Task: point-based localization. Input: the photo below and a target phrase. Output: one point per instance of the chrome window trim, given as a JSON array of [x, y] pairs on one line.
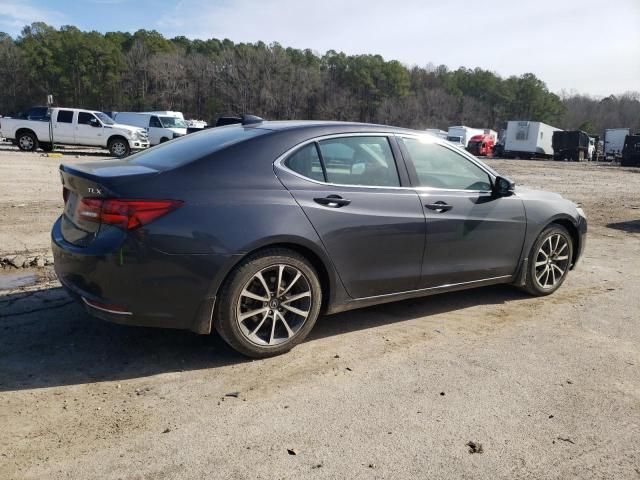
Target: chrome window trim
[[279, 162]]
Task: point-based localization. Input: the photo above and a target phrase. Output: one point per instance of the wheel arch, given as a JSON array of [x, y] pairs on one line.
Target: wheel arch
[[22, 130], [569, 224], [317, 259], [117, 136]]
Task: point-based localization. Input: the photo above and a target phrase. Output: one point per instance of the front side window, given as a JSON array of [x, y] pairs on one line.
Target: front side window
[[85, 118], [440, 167], [155, 122], [65, 116], [366, 161]]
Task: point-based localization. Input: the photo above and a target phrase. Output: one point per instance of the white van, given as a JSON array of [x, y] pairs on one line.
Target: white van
[[160, 128]]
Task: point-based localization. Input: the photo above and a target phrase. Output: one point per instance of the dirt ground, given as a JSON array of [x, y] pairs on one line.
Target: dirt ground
[[549, 387]]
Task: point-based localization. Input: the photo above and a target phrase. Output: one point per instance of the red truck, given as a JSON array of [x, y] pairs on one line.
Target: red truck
[[482, 145]]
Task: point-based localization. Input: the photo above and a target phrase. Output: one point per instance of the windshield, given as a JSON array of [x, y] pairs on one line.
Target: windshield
[[172, 122], [104, 118]]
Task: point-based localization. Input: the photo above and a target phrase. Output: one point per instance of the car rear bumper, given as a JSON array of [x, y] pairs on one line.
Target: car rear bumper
[[137, 285]]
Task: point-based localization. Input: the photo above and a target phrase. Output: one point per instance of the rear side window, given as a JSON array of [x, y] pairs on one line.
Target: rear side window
[[366, 161], [65, 116], [306, 162], [194, 146]]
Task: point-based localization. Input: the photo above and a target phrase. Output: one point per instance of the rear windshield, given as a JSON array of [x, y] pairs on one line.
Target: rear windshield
[[194, 146]]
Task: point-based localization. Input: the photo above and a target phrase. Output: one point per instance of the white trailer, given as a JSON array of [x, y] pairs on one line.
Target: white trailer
[[437, 132], [528, 139], [614, 141], [461, 134]]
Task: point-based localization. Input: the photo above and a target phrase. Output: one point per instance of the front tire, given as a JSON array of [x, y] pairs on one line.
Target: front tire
[[119, 147], [549, 261], [269, 303]]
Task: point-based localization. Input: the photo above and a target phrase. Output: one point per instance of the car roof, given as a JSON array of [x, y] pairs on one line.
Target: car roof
[[279, 125]]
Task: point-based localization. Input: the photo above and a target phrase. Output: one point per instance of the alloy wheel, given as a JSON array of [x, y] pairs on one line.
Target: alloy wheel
[[274, 305], [119, 149], [26, 142], [552, 261]]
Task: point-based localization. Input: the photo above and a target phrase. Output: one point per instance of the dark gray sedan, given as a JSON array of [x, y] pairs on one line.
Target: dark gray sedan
[[253, 230]]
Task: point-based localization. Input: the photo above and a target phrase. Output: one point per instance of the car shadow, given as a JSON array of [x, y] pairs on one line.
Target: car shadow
[[632, 226], [47, 340]]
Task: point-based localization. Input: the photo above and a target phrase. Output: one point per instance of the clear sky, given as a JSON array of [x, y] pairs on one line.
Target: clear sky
[[589, 46]]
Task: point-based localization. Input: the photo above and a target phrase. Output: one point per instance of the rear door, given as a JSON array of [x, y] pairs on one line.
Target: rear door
[[63, 126], [357, 199], [471, 234]]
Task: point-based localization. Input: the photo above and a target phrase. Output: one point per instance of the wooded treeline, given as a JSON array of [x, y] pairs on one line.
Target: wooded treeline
[[206, 78]]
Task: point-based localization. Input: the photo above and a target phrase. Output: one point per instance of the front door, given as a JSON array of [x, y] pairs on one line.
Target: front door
[[372, 228], [89, 130], [471, 234]]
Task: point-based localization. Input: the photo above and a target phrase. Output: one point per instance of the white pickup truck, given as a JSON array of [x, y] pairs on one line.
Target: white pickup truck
[[73, 126]]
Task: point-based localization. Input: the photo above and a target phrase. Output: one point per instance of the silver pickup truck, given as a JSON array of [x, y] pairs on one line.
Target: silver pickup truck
[[74, 126]]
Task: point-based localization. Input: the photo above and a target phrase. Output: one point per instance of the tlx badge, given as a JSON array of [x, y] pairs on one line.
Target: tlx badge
[[94, 191]]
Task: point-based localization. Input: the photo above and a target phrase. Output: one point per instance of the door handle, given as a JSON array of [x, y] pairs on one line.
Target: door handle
[[439, 207], [333, 201]]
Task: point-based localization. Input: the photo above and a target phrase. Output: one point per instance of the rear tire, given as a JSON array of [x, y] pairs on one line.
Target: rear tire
[[119, 147], [283, 290], [549, 261], [27, 142]]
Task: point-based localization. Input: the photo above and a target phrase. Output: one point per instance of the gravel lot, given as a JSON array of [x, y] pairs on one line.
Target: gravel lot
[[550, 387]]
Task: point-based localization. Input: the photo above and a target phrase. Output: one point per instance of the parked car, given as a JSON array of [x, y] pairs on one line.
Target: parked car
[[253, 230], [525, 139], [161, 126], [74, 126]]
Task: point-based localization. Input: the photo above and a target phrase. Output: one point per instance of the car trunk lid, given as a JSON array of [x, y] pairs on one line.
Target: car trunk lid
[[84, 185]]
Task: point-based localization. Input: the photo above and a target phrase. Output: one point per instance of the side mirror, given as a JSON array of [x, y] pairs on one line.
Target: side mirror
[[94, 123], [503, 187]]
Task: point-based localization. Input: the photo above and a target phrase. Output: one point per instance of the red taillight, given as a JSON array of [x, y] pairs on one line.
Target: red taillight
[[125, 214]]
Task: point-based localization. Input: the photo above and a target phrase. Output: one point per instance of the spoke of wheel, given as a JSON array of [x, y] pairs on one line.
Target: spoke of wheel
[[557, 243], [252, 313], [550, 242], [295, 310], [539, 264], [297, 297], [280, 271], [556, 267], [546, 277], [273, 329], [263, 282], [564, 257], [561, 249], [286, 325], [255, 330], [247, 293], [539, 276], [295, 279], [553, 276]]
